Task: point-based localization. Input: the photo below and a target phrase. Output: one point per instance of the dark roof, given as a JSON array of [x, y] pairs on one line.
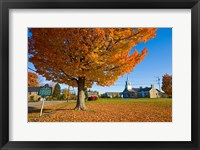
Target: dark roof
[[136, 89], [145, 89], [33, 89]]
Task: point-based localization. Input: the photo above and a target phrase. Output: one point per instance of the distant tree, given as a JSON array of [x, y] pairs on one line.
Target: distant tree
[[113, 95], [63, 96], [33, 79], [117, 95], [167, 84], [66, 93], [52, 85], [73, 96], [102, 95], [57, 90]]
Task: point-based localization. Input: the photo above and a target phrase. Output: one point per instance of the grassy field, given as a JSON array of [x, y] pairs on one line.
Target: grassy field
[[107, 110]]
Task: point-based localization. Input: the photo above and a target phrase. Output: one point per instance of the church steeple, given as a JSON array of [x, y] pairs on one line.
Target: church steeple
[[128, 84]]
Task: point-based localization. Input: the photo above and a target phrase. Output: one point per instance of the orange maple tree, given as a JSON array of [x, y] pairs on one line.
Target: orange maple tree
[[81, 56], [32, 79], [167, 84]]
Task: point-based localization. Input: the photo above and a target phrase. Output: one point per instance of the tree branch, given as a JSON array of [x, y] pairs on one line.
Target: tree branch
[[71, 78]]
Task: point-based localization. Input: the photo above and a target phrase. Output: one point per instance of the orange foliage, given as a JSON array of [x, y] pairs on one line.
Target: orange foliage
[[32, 79], [167, 84], [99, 55]]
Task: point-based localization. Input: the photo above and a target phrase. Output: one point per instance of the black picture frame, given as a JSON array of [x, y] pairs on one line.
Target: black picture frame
[[5, 5]]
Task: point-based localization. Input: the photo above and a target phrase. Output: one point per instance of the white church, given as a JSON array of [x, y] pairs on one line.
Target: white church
[[147, 92]]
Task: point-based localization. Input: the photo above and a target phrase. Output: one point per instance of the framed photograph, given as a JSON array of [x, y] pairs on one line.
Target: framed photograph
[[99, 75]]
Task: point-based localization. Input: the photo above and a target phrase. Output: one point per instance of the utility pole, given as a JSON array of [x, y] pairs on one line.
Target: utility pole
[[68, 93], [158, 81]]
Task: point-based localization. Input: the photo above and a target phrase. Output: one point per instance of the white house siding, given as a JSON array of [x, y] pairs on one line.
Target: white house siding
[[153, 93]]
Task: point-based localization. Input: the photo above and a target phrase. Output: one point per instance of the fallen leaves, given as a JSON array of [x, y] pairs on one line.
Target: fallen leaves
[[110, 110]]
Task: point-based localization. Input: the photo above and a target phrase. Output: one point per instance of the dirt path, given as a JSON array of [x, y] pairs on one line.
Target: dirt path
[[36, 104]]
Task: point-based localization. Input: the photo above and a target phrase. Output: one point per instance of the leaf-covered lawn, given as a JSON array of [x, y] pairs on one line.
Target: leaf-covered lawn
[[107, 110]]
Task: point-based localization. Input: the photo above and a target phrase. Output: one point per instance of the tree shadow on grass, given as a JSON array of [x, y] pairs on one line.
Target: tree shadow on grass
[[33, 110], [45, 110]]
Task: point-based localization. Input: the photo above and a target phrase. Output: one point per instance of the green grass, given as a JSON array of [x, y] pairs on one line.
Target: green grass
[[124, 100]]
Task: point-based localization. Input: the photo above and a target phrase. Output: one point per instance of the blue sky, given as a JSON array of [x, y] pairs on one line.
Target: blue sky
[[157, 62]]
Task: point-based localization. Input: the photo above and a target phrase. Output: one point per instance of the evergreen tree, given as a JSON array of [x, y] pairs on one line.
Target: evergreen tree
[[56, 93]]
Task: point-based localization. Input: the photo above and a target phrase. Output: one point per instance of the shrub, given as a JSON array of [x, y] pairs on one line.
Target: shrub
[[54, 98], [103, 96], [73, 97], [57, 90], [63, 97]]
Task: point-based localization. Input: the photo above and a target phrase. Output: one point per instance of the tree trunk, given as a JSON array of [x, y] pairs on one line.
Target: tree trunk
[[80, 105]]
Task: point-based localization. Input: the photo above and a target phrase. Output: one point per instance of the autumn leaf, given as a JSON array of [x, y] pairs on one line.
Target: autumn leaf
[[32, 79], [167, 84]]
